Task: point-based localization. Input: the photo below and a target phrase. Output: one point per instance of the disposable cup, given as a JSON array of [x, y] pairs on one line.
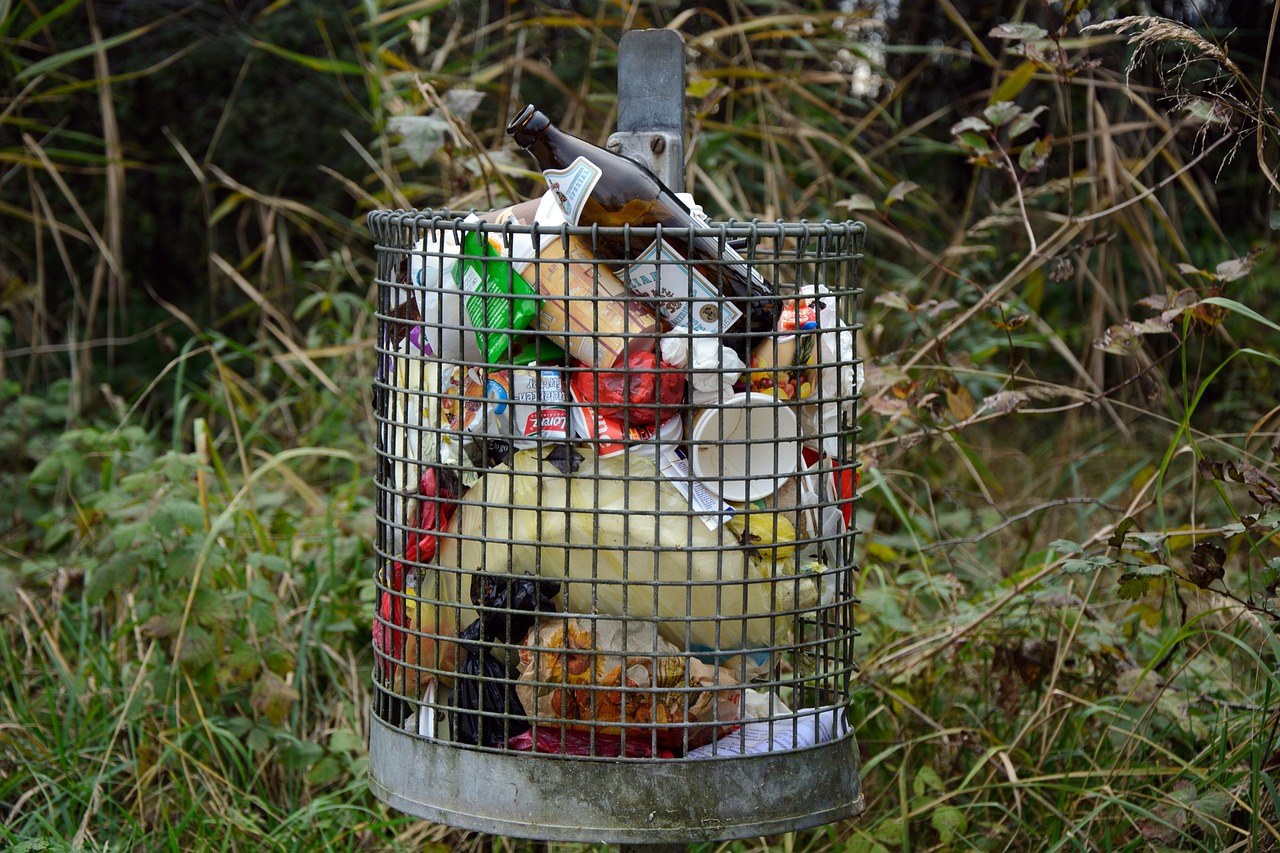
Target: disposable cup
[[742, 448]]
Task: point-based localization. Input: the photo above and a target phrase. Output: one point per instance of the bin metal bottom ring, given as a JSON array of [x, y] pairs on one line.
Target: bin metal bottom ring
[[614, 802]]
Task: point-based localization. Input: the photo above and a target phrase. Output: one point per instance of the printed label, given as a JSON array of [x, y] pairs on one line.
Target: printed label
[[689, 300], [572, 185], [538, 410], [713, 511]]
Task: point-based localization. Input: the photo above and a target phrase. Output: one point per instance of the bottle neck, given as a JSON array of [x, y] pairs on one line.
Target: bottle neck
[[555, 149]]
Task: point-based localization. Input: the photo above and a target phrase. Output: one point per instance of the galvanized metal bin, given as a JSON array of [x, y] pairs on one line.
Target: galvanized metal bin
[[585, 636]]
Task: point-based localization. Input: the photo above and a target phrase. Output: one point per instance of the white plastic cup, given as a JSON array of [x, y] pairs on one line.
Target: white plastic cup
[[742, 448]]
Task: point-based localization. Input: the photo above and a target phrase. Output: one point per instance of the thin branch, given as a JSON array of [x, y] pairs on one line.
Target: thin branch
[[1022, 207], [1014, 519], [1227, 134]]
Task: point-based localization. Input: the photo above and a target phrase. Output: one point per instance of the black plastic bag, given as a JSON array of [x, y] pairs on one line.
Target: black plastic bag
[[510, 604], [486, 710]]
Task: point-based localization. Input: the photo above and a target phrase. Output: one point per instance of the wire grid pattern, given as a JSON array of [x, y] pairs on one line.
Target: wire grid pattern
[[545, 584]]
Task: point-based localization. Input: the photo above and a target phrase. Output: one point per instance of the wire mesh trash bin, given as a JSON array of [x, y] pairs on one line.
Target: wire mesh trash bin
[[614, 582]]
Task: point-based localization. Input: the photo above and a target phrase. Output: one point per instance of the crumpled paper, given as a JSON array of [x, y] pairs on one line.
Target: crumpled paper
[[609, 676]]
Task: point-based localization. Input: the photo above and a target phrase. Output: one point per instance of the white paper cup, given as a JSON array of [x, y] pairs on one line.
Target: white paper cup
[[742, 448]]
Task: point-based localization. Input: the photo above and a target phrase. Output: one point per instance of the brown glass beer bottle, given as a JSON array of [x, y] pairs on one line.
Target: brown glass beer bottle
[[719, 293]]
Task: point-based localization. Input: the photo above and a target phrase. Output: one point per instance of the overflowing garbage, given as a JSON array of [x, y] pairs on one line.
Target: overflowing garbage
[[616, 472]]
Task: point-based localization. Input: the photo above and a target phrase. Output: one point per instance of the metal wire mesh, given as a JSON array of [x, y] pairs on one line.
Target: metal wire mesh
[[602, 536]]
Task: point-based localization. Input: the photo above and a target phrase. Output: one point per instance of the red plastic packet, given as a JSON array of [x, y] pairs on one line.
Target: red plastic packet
[[435, 512]]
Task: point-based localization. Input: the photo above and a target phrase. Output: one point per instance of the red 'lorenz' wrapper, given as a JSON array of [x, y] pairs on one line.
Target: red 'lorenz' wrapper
[[648, 389]]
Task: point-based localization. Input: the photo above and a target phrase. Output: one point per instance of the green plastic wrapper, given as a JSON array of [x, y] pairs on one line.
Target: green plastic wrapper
[[497, 299]]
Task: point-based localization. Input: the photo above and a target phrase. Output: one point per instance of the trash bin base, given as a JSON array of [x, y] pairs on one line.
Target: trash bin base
[[614, 802]]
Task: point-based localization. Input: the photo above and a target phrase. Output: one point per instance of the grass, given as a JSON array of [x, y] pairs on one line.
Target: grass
[[1069, 437]]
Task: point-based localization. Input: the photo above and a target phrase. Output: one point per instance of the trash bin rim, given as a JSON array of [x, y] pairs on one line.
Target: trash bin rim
[[441, 219]]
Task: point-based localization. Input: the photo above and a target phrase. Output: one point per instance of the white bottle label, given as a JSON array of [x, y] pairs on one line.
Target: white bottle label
[[689, 300], [571, 186], [710, 508]]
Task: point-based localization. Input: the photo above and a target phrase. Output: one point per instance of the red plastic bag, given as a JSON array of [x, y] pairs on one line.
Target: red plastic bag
[[648, 390], [555, 741], [436, 507]]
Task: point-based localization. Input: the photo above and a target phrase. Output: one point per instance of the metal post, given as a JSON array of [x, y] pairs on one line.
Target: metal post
[[651, 83]]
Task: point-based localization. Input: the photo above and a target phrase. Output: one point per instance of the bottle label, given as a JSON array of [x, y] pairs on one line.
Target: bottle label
[[572, 185], [689, 300]]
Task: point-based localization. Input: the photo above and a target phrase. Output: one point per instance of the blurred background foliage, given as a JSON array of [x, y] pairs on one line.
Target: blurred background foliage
[[1069, 434]]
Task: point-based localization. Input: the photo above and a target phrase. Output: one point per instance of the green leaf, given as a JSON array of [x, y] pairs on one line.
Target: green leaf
[[700, 86], [1015, 82], [162, 625], [891, 832], [899, 191], [322, 64], [926, 778], [858, 201], [115, 573], [949, 822], [1132, 588], [1001, 113], [864, 844], [58, 534], [212, 607], [198, 648], [1018, 32], [273, 698], [1066, 546], [346, 742], [65, 57], [268, 562], [1122, 529], [187, 514], [33, 845], [240, 666], [462, 102], [422, 136], [969, 123], [1239, 309], [1086, 566], [300, 754], [325, 770], [974, 142], [278, 659], [1025, 122], [1035, 155]]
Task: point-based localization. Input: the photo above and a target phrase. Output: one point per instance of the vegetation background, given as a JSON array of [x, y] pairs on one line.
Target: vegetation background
[[1070, 486]]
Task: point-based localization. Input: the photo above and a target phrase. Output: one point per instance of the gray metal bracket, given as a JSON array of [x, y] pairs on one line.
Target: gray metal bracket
[[651, 119]]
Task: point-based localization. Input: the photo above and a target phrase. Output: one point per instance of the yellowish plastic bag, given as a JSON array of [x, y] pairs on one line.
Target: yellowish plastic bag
[[625, 543]]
